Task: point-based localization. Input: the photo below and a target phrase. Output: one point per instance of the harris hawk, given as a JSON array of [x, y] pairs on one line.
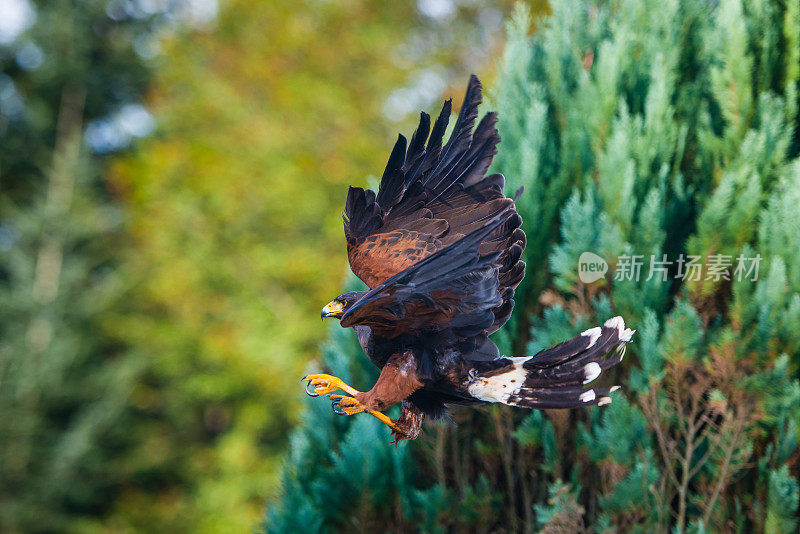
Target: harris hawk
[[440, 248]]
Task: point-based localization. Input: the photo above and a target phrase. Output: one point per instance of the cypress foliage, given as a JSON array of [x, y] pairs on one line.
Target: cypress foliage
[[659, 132]]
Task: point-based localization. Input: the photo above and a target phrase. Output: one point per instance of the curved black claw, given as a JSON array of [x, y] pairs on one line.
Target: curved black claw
[[311, 393], [335, 407]]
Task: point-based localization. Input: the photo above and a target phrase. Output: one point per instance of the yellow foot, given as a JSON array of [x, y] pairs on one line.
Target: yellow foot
[[324, 384], [344, 405]]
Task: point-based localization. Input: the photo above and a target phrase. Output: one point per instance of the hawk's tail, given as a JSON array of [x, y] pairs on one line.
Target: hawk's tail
[[556, 377]]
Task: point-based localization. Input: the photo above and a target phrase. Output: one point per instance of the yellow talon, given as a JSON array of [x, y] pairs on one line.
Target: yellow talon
[[344, 405], [324, 384]]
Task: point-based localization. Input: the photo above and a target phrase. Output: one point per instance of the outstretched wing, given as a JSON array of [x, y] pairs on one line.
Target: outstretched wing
[[430, 196], [452, 293]]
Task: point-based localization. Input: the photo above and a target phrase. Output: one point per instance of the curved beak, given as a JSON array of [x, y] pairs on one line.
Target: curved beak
[[332, 309]]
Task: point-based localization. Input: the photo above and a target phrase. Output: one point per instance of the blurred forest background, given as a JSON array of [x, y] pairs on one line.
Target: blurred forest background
[[173, 174]]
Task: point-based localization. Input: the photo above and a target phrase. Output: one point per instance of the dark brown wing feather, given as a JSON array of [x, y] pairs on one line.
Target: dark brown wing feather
[[452, 293], [430, 196]]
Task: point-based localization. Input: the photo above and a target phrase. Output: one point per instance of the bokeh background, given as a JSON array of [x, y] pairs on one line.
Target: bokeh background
[[172, 177]]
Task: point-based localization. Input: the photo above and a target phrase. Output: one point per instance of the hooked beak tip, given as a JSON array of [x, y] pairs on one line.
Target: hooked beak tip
[[329, 311]]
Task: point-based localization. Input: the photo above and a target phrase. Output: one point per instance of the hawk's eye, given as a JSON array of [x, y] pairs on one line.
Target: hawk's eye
[[344, 303]]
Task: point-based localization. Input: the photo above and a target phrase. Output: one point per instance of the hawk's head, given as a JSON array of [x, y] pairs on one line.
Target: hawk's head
[[338, 306]]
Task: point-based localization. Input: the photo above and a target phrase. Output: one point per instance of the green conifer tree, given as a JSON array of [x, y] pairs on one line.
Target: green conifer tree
[[663, 132]]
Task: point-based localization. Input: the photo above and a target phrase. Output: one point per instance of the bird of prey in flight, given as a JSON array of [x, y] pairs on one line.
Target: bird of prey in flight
[[440, 248]]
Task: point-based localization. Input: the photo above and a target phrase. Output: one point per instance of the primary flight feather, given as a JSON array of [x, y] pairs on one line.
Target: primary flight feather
[[440, 248]]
